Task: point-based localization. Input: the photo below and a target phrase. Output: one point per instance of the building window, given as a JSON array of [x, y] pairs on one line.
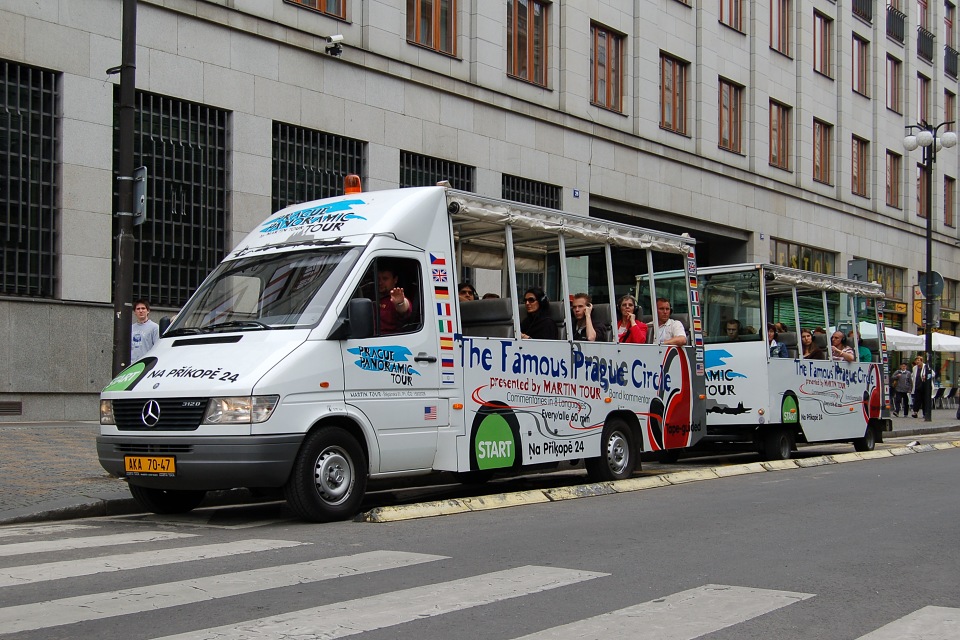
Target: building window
[[891, 278], [893, 179], [731, 14], [433, 24], [606, 68], [923, 15], [822, 144], [779, 135], [894, 84], [29, 145], [861, 72], [539, 194], [922, 195], [417, 170], [184, 236], [860, 159], [950, 110], [949, 11], [309, 165], [949, 200], [923, 98], [822, 30], [673, 94], [333, 8], [799, 256], [780, 26], [527, 40], [731, 99]]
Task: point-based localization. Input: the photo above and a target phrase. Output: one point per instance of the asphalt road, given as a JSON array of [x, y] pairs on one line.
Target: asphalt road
[[837, 552]]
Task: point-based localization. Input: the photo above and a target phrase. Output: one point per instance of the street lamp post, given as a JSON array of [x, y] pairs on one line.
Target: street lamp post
[[928, 137]]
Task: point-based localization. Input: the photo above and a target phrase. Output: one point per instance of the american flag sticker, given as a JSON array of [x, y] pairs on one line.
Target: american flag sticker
[[430, 413], [443, 309], [446, 344], [437, 258], [700, 370], [439, 275]]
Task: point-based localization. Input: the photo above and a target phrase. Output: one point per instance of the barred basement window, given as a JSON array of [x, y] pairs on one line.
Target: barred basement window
[[183, 145], [539, 194], [309, 165], [423, 171], [29, 140]]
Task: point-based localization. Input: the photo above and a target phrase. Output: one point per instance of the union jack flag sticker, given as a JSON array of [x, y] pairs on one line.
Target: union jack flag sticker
[[439, 275]]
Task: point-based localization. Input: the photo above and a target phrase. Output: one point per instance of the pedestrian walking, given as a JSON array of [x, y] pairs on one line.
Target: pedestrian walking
[[922, 378], [145, 332], [902, 386]]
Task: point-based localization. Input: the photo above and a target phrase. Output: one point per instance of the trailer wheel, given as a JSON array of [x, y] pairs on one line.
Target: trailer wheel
[[777, 444], [867, 442], [166, 501], [618, 458], [328, 478]]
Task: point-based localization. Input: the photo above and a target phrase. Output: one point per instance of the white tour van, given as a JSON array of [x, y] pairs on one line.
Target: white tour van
[[330, 347]]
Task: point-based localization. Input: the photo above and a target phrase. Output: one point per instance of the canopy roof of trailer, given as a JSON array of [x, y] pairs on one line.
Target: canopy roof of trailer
[[480, 221], [803, 279]]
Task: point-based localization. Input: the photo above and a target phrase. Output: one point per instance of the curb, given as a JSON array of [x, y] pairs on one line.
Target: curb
[[539, 496]]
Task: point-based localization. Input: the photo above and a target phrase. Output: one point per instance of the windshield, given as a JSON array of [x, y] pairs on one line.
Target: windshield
[[273, 291]]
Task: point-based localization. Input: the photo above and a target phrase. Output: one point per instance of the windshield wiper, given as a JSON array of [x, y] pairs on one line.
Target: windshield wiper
[[236, 324], [185, 331]]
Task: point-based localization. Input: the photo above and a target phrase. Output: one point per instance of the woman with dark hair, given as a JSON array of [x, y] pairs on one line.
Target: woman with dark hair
[[777, 349], [629, 328], [810, 349], [538, 323]]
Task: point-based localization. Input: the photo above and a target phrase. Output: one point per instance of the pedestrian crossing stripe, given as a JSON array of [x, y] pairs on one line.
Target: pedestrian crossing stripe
[[91, 542], [29, 574], [343, 619], [53, 613], [39, 530], [681, 616], [928, 623]]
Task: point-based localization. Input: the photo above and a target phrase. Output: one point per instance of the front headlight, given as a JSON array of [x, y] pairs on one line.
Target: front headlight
[[240, 409], [106, 412]]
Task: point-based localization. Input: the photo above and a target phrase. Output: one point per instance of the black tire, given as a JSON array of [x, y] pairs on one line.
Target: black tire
[[618, 457], [166, 501], [328, 478], [777, 444], [867, 442]]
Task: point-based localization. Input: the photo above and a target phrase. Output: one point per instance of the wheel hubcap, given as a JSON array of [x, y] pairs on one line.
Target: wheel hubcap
[[333, 475], [617, 452]]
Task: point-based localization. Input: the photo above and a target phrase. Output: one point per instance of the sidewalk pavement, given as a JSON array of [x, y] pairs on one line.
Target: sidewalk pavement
[[50, 471]]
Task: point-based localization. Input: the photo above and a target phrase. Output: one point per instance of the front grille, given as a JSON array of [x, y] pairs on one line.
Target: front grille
[[152, 449], [175, 414]]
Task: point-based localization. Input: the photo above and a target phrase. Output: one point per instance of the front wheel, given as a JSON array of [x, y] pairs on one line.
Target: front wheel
[[328, 478], [777, 445], [166, 501], [867, 442], [618, 459]]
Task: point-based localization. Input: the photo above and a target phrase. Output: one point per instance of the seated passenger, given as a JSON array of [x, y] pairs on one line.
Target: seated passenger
[[629, 329], [839, 349], [863, 351], [584, 329], [777, 349], [732, 330], [670, 331], [466, 292], [395, 309], [810, 349], [538, 323]]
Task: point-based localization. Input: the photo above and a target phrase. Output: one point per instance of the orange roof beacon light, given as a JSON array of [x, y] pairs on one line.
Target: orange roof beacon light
[[351, 184]]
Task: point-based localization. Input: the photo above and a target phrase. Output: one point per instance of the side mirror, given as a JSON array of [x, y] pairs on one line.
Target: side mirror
[[360, 315], [164, 324]]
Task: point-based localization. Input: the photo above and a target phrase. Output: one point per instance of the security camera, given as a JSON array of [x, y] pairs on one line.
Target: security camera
[[335, 38]]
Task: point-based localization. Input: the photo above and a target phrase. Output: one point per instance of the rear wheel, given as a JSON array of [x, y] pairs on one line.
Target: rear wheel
[[777, 445], [166, 501], [618, 458], [867, 442], [328, 478]]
